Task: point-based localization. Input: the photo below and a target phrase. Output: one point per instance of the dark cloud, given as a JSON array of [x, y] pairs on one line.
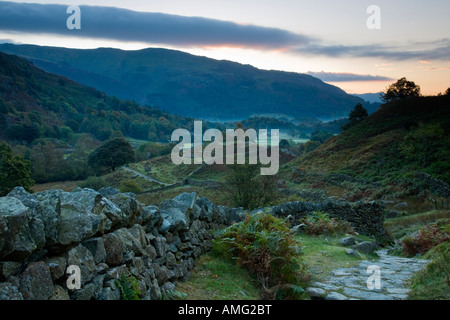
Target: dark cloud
[[346, 77], [158, 28], [127, 25]]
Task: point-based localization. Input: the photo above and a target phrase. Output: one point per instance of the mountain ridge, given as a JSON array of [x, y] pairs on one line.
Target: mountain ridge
[[190, 85]]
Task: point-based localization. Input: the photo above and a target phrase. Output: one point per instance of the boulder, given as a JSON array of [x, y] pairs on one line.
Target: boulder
[[365, 247], [347, 241]]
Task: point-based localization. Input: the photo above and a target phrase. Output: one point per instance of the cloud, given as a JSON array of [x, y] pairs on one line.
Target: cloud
[[427, 50], [346, 77], [180, 31], [126, 25]]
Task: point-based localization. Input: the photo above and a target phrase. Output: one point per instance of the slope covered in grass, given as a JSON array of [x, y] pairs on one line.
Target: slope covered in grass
[[391, 145]]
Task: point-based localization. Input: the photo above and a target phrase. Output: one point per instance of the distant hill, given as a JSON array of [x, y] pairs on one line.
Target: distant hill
[[194, 86], [403, 137], [370, 97], [36, 104]]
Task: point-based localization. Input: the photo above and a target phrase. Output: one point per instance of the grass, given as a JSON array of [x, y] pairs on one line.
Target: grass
[[214, 278], [404, 225], [433, 283], [62, 185], [324, 254]]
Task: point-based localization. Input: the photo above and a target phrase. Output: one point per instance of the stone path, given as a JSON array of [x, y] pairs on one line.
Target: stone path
[[352, 283], [145, 176]]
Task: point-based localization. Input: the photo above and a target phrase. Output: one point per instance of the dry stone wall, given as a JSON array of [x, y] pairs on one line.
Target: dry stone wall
[[105, 235]]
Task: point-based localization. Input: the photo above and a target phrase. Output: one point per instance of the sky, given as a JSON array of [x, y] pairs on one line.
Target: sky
[[345, 43]]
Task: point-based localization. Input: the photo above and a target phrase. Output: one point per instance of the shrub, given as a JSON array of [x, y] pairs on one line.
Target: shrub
[[130, 186], [427, 238], [264, 245], [93, 182], [320, 223]]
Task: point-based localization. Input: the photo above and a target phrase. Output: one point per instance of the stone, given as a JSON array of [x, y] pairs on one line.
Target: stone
[[26, 198], [316, 293], [179, 211], [57, 266], [9, 292], [152, 216], [353, 253], [401, 205], [114, 249], [159, 243], [108, 191], [85, 293], [109, 294], [154, 291], [80, 256], [131, 210], [347, 241], [365, 295], [365, 247], [97, 247], [59, 293], [77, 222], [393, 214], [162, 273], [18, 239], [36, 282], [9, 268], [335, 296]]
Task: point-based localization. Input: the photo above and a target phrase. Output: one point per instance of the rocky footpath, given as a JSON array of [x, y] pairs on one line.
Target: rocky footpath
[[106, 235], [360, 283]]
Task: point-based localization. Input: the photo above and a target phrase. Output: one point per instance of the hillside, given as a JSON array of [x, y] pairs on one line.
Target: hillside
[[191, 85], [35, 104], [391, 147]]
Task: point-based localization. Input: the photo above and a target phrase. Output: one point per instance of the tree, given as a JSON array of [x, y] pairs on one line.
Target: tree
[[400, 90], [447, 92], [248, 189], [15, 171], [358, 114], [111, 154], [48, 163]]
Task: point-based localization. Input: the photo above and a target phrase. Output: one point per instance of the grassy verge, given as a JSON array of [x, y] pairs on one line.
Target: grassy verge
[[214, 278], [433, 283], [323, 254]]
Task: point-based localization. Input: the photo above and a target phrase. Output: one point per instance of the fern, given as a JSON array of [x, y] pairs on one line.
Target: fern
[[129, 287]]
